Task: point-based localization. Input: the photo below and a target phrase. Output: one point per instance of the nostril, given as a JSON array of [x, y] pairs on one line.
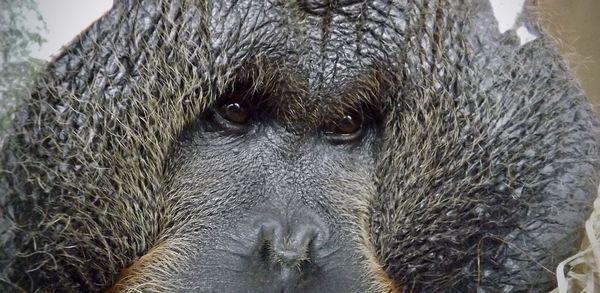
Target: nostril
[[288, 247]]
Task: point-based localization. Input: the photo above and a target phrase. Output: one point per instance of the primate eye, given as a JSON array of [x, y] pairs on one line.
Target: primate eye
[[234, 112], [233, 116], [348, 124], [346, 128]]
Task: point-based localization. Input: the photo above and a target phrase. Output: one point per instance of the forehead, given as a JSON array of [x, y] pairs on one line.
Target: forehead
[[327, 45]]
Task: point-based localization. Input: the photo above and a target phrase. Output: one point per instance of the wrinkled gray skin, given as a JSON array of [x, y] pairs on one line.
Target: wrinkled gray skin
[[475, 170]]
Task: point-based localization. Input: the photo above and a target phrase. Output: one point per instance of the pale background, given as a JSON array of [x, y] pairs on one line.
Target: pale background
[[64, 20], [575, 23]]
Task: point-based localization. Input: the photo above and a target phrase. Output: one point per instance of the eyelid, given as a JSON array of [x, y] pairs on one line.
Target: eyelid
[[346, 138]]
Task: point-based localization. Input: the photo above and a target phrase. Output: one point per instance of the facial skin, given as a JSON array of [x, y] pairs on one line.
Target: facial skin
[[297, 146], [277, 204]]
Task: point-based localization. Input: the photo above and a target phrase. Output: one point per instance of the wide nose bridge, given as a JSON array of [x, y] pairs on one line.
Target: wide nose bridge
[[291, 171], [293, 134]]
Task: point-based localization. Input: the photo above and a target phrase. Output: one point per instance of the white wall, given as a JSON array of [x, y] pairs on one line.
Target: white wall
[[64, 20]]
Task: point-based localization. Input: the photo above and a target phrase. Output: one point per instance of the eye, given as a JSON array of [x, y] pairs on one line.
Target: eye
[[232, 115], [234, 112], [346, 128]]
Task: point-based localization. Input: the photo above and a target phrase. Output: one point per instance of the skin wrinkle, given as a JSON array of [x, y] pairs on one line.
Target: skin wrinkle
[[332, 57]]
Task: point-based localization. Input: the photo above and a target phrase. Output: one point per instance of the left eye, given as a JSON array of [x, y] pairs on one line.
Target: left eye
[[345, 128]]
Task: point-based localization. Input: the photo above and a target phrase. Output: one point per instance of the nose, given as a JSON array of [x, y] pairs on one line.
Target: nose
[[290, 245]]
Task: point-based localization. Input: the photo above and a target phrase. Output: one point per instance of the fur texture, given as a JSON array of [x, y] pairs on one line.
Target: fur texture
[[486, 170]]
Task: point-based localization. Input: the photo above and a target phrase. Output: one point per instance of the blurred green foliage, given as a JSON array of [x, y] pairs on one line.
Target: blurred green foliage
[[21, 28]]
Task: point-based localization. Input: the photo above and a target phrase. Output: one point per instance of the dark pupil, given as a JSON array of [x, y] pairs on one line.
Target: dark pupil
[[347, 124], [234, 112]]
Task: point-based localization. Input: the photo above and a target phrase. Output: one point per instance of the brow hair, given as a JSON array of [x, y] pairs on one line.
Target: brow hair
[[271, 83]]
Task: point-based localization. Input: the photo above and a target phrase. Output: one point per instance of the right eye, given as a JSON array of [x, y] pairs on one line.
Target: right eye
[[232, 116], [234, 112]]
